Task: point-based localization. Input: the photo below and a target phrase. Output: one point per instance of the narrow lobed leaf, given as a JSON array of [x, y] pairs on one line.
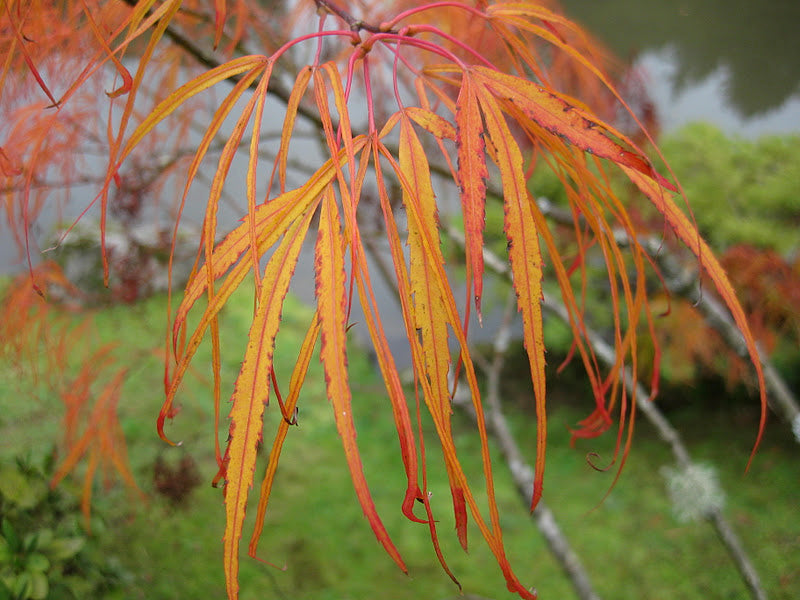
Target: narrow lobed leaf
[[472, 175], [689, 235], [430, 316], [295, 385], [331, 308], [526, 263], [252, 392], [562, 118]]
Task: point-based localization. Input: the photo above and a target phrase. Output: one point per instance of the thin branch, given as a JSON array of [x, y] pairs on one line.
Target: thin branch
[[671, 436], [685, 284], [354, 24], [275, 88]]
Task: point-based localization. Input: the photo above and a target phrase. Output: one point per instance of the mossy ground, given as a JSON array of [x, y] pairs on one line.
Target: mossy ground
[[630, 543]]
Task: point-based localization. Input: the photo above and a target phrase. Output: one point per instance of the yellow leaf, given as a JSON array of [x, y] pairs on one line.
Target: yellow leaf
[[298, 90], [332, 312], [295, 385], [270, 221], [190, 89], [526, 263], [430, 316], [430, 121], [252, 392], [493, 535]]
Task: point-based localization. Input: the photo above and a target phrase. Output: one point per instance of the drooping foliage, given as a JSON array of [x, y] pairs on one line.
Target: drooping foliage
[[412, 103], [48, 347], [768, 287]]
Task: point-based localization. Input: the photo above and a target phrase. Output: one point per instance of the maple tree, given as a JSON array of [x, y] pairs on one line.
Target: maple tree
[[410, 101]]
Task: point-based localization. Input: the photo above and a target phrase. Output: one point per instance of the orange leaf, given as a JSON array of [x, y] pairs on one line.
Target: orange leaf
[[171, 8], [394, 387], [26, 55], [493, 536], [127, 80], [295, 385], [102, 438], [331, 308], [430, 121], [210, 220], [299, 88], [408, 320], [270, 221], [562, 118], [526, 263], [220, 11], [383, 353], [688, 233], [254, 63], [430, 316]]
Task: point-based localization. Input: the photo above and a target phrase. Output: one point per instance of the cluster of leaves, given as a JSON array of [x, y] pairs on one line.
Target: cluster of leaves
[[769, 287], [410, 101], [44, 553], [744, 195], [743, 198]]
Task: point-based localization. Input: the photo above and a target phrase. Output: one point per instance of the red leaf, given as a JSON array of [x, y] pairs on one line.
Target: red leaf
[[562, 118], [472, 176]]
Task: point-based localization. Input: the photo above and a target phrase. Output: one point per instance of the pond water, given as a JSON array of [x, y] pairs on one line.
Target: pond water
[[734, 63]]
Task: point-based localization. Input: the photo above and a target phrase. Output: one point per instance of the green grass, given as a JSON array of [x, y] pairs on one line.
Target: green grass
[[630, 542]]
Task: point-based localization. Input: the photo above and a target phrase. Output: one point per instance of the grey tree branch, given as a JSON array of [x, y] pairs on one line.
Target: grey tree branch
[[276, 89], [669, 434], [521, 472], [686, 285]]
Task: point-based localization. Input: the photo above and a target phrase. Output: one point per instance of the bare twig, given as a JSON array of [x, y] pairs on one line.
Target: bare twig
[[355, 25], [276, 89]]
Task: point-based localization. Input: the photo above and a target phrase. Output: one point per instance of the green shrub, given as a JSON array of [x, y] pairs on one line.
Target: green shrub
[[45, 552]]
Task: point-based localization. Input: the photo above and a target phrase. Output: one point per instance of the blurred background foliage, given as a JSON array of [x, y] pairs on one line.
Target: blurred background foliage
[[630, 541]]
